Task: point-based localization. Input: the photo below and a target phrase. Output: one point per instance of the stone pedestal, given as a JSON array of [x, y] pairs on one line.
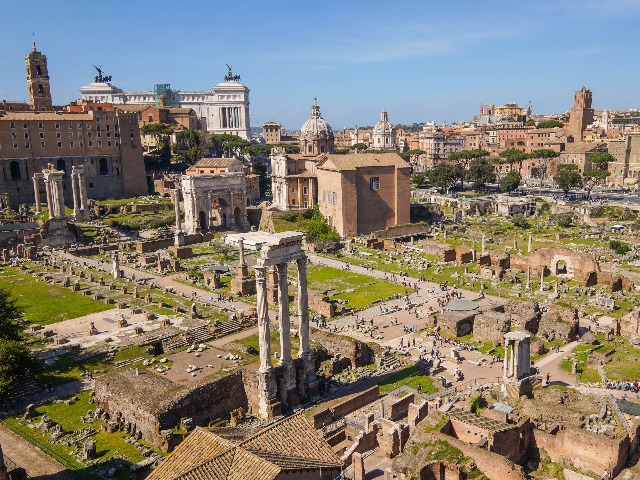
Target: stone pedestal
[[268, 402], [181, 252]]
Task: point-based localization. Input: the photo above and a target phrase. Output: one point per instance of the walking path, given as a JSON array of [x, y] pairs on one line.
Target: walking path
[[33, 460]]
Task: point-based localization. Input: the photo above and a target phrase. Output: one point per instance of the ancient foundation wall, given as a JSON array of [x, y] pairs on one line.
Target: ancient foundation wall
[[359, 353], [584, 449], [353, 403], [400, 407], [493, 465]]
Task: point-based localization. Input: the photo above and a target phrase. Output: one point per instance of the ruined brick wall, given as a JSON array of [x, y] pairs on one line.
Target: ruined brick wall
[[456, 324], [154, 403], [493, 465], [207, 402], [440, 470], [400, 407], [359, 353], [351, 404], [524, 315], [584, 449], [491, 326]]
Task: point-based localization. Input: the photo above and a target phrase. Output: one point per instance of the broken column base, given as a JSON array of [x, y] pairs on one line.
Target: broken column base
[[268, 402], [243, 286], [181, 252], [514, 389]]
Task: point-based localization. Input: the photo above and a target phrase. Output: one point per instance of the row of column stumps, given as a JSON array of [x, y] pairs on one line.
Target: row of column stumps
[[484, 244]]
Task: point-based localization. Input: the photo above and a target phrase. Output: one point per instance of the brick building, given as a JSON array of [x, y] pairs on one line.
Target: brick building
[[272, 132], [362, 193], [627, 164], [106, 143], [581, 115], [578, 153]]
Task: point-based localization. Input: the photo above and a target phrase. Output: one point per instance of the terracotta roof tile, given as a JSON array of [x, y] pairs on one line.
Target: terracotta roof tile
[[216, 162], [362, 160]]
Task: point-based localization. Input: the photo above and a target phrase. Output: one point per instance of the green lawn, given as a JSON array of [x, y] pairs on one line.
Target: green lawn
[[46, 304], [410, 376], [109, 445], [356, 290], [140, 221]]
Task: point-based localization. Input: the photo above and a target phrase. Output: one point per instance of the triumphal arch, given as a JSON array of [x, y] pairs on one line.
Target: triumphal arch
[[215, 200], [291, 381]]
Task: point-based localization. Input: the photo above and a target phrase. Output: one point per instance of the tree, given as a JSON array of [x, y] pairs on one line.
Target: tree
[[530, 123], [419, 179], [512, 156], [550, 124], [510, 182], [12, 324], [599, 163], [464, 157], [161, 133], [359, 146], [444, 175], [319, 232], [15, 356], [568, 178], [15, 362], [544, 155], [226, 145], [481, 172], [409, 154]]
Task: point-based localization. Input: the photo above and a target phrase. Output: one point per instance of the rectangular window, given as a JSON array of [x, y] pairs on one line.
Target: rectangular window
[[99, 144], [57, 125], [71, 125], [71, 144], [59, 144], [41, 144], [304, 190], [40, 125], [13, 125], [41, 135], [335, 198], [26, 144], [24, 125], [90, 143], [58, 135], [26, 134], [108, 143], [374, 183], [324, 197], [15, 145], [70, 134], [79, 125]]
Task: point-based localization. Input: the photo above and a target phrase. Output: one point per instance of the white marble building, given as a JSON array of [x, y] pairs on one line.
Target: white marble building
[[224, 109], [383, 136]]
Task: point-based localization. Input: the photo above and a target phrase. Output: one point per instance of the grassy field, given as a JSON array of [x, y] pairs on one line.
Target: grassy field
[[140, 221], [410, 376], [252, 341], [109, 445], [46, 304], [136, 201], [356, 290]]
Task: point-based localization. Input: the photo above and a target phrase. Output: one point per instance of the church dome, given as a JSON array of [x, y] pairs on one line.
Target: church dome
[[384, 125], [316, 125]]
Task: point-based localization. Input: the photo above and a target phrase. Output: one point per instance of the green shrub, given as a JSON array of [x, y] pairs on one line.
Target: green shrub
[[619, 247], [564, 220], [289, 217], [519, 220]]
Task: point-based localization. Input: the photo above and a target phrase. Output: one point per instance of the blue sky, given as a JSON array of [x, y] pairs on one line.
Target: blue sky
[[421, 60]]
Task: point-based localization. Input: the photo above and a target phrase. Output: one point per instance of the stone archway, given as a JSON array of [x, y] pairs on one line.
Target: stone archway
[[561, 267], [219, 212], [237, 216]]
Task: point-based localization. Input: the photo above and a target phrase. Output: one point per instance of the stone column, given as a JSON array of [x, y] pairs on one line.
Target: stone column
[[60, 194], [267, 388], [231, 218], [47, 185], [264, 336], [283, 313], [484, 244], [179, 236], [36, 192], [75, 193], [530, 244], [303, 306], [515, 355], [241, 261], [82, 183], [542, 279], [528, 285], [506, 359]]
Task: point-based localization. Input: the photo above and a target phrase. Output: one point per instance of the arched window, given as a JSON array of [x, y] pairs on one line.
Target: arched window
[[14, 168], [61, 165], [38, 70], [104, 166], [40, 89]]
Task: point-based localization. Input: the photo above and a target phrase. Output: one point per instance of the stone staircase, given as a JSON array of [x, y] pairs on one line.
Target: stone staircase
[[26, 388], [227, 328], [388, 362]]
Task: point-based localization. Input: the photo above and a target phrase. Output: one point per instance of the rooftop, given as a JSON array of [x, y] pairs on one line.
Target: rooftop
[[362, 160]]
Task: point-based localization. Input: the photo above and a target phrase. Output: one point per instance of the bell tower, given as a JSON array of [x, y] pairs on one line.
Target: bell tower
[[38, 80]]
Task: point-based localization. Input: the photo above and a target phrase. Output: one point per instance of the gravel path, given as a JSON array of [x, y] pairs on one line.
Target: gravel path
[[37, 464]]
